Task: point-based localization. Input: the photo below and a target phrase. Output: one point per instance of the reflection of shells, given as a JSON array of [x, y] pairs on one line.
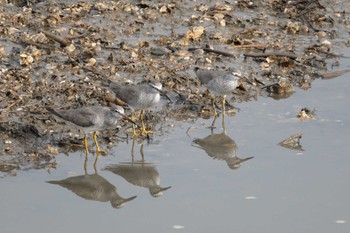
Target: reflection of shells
[[306, 114], [283, 86], [281, 90]]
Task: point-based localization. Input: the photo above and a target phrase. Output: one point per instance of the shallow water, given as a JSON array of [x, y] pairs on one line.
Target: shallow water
[[279, 190]]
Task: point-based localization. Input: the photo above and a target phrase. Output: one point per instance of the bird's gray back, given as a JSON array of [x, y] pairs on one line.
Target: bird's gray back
[[206, 75], [85, 116], [219, 82], [223, 85], [138, 96]]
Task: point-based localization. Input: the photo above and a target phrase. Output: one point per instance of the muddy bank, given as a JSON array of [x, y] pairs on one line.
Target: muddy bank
[[61, 54]]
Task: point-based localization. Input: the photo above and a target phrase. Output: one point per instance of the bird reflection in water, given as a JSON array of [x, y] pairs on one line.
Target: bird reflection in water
[[139, 173], [93, 187], [221, 147]]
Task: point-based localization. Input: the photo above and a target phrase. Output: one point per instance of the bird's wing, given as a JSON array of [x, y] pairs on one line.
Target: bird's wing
[[205, 75], [230, 76], [127, 94], [84, 117]]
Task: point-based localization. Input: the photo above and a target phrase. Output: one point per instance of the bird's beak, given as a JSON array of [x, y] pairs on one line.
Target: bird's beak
[[163, 93], [128, 119], [237, 74]]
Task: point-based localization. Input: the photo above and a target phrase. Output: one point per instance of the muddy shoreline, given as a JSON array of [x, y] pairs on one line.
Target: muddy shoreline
[[62, 54]]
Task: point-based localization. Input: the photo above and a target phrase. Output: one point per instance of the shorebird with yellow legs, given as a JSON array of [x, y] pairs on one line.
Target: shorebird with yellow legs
[[92, 119], [139, 97], [219, 83]]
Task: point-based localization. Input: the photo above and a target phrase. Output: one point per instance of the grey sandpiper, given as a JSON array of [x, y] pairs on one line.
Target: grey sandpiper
[[139, 97], [92, 119], [219, 83]]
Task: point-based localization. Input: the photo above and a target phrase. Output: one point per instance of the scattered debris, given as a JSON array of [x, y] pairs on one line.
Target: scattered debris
[[280, 90], [306, 114], [293, 142]]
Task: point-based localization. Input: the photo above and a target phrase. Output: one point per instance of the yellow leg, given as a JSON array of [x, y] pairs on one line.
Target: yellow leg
[[223, 105], [144, 132], [86, 147], [97, 147], [133, 127]]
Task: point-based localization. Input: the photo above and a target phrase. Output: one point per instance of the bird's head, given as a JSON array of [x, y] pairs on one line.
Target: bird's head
[[156, 85], [119, 111]]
